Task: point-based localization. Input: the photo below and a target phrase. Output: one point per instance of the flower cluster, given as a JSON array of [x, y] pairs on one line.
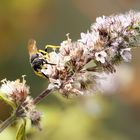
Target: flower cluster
[[78, 64], [18, 93]]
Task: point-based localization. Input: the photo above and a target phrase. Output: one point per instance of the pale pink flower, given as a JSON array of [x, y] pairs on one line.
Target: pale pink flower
[[101, 56]]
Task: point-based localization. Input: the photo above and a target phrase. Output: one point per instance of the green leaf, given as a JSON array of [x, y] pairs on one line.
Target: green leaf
[[7, 101], [21, 135], [90, 64]]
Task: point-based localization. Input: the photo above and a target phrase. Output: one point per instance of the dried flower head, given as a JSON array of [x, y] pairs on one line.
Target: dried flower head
[[17, 91]]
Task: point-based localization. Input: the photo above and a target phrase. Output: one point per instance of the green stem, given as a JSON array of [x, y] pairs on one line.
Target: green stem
[[7, 122]]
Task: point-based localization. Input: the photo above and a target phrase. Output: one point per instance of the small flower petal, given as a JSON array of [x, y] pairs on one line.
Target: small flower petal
[[126, 54], [101, 56]]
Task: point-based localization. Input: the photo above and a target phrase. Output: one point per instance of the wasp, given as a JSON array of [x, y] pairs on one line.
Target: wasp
[[39, 58]]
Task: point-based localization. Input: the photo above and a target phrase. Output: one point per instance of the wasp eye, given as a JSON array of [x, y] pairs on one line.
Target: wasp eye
[[33, 57]]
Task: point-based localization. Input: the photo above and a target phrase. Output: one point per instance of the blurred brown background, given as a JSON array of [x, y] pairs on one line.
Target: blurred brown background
[[100, 117]]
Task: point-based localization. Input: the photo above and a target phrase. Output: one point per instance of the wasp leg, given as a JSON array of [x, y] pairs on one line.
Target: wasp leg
[[43, 52], [44, 75], [41, 74], [51, 47]]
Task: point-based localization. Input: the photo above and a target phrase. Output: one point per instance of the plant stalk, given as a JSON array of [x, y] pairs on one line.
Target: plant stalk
[[7, 122], [42, 95]]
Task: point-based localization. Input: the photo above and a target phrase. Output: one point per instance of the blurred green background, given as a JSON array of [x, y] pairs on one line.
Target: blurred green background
[[98, 117]]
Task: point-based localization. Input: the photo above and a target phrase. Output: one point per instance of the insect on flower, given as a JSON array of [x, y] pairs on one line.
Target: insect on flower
[[39, 58]]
